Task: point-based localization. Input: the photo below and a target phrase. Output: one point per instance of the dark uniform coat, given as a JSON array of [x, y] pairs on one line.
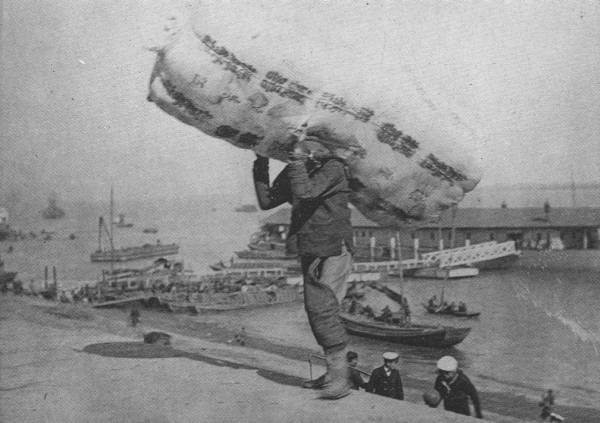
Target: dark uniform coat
[[388, 386], [456, 394]]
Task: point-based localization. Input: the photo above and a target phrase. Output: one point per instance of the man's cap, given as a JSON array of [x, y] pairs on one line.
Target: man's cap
[[390, 356], [351, 355], [447, 364]]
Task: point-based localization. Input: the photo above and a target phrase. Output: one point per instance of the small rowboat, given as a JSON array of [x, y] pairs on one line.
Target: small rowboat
[[449, 312], [413, 334]]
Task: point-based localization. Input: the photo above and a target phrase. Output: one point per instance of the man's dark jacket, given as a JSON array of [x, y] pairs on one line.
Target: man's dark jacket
[[456, 394], [319, 195], [357, 380], [388, 386]]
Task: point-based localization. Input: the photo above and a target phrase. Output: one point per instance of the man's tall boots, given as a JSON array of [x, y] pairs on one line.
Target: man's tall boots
[[338, 385]]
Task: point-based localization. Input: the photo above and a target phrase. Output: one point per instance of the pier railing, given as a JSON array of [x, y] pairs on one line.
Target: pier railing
[[445, 258], [469, 254]]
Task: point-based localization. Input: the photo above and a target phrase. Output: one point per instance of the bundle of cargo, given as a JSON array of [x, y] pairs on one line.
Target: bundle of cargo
[[408, 162]]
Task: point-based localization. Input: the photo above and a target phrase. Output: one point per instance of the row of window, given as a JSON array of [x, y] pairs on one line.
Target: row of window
[[433, 235]]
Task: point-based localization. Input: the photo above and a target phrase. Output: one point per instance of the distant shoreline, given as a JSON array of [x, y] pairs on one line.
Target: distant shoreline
[[235, 198]]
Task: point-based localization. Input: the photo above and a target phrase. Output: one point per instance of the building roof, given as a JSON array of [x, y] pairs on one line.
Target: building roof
[[532, 217], [283, 216]]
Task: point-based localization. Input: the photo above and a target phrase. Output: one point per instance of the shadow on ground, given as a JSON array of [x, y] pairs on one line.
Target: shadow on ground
[[144, 350]]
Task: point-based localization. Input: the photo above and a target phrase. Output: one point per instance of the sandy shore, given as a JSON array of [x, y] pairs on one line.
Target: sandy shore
[[88, 360]]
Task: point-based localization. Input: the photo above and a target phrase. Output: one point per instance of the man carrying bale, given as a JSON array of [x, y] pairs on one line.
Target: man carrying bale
[[316, 184]]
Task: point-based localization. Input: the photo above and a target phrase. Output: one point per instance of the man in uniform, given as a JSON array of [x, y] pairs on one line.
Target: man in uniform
[[455, 388], [385, 380]]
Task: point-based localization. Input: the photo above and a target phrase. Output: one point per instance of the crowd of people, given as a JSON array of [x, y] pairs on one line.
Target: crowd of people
[[451, 386], [444, 306]]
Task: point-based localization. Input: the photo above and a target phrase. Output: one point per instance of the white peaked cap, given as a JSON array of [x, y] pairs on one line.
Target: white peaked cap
[[391, 356], [447, 364]]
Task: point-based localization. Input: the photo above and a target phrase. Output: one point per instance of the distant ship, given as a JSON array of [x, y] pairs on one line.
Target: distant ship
[[134, 253], [246, 208], [121, 223], [53, 211], [112, 254], [150, 230]]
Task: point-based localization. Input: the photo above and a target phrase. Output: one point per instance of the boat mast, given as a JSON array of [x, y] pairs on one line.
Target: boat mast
[[440, 234], [572, 189], [100, 225], [453, 227], [110, 232], [400, 269]]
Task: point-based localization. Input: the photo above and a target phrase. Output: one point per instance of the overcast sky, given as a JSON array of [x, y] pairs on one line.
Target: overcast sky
[[74, 116]]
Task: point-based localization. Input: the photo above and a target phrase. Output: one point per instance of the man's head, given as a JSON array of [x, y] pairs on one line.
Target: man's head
[[313, 148], [390, 359], [352, 358], [447, 367]]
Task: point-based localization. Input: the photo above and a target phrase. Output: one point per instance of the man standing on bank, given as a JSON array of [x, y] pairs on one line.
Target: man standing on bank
[[316, 184], [385, 380], [455, 388], [356, 378]]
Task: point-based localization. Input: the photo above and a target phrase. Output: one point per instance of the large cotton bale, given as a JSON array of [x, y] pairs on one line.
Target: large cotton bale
[[251, 79]]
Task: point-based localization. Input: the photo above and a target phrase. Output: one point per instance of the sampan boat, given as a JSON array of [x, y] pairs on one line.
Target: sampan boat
[[450, 312], [413, 334]]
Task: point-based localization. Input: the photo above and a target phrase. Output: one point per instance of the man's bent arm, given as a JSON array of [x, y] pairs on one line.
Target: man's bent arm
[[268, 197]]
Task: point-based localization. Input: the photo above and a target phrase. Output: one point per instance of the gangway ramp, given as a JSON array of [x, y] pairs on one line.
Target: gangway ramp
[[386, 266], [468, 255]]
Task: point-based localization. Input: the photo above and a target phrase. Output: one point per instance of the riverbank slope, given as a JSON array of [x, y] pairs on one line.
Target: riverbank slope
[[64, 363]]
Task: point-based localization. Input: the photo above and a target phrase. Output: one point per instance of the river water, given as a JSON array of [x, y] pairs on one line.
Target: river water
[[540, 322]]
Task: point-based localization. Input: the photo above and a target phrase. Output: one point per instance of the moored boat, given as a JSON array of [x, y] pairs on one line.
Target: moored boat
[[111, 254], [6, 278], [53, 211], [4, 227], [264, 255], [122, 223], [408, 334], [134, 253], [450, 312], [221, 301], [446, 273], [246, 208]]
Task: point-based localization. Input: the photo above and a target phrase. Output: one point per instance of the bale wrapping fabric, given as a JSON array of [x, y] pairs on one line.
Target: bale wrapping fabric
[[401, 171]]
